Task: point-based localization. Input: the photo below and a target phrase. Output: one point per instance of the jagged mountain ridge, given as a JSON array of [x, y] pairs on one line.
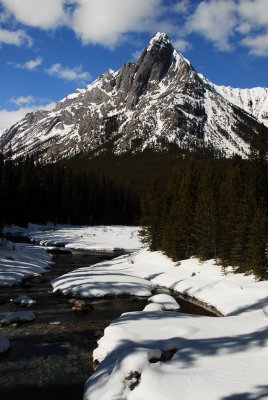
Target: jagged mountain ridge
[[157, 102], [254, 101]]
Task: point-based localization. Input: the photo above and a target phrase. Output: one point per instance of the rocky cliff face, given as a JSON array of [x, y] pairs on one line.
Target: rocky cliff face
[[157, 102]]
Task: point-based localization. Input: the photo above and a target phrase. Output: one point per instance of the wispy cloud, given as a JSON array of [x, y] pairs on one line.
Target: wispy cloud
[[182, 6], [182, 45], [9, 118], [15, 38], [69, 74], [215, 20], [136, 54], [232, 23], [30, 65], [258, 44], [22, 100]]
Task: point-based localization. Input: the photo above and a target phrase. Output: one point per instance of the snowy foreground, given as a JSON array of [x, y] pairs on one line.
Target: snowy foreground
[[165, 355], [215, 358], [212, 358]]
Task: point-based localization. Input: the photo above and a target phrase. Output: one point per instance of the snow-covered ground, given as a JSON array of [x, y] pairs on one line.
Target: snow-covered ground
[[214, 358], [161, 302], [163, 355], [106, 238], [101, 280], [19, 261], [231, 294]]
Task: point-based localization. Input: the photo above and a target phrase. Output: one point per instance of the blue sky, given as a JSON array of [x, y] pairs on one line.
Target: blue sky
[[50, 47]]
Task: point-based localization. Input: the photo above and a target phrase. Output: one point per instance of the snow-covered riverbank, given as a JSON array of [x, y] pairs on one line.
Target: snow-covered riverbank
[[19, 261], [209, 358], [212, 358], [99, 238], [229, 293]]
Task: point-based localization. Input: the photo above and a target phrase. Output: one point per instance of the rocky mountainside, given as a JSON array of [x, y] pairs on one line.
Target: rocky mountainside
[[254, 101], [157, 102]]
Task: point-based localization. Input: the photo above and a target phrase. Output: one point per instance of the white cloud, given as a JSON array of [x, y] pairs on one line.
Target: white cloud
[[16, 38], [258, 44], [22, 100], [182, 6], [3, 16], [254, 25], [182, 45], [29, 65], [225, 23], [254, 12], [215, 20], [244, 27], [102, 22], [136, 54], [229, 23], [9, 118], [43, 14], [105, 22], [69, 74]]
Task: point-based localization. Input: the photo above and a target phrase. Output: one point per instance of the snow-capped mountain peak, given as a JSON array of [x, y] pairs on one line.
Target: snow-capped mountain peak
[[159, 39], [157, 102]]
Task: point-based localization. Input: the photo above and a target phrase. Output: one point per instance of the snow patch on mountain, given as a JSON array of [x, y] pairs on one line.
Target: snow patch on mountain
[[254, 101]]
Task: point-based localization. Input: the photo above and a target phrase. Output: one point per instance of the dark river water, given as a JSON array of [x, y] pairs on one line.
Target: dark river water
[[51, 358]]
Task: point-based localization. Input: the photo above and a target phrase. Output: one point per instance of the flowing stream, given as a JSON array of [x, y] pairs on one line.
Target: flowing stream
[[51, 358]]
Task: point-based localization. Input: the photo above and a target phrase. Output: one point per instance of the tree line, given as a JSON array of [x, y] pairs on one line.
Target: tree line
[[211, 207], [33, 192], [198, 203]]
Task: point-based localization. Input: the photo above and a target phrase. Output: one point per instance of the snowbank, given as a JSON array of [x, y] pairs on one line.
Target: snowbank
[[19, 261], [161, 302], [207, 358], [102, 279], [99, 238], [231, 294], [164, 355]]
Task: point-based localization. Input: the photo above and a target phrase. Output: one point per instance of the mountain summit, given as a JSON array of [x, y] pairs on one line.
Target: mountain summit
[[157, 102]]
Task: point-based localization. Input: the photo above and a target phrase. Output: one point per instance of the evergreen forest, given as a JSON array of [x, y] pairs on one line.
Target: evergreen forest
[[189, 203], [38, 193], [211, 208]]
